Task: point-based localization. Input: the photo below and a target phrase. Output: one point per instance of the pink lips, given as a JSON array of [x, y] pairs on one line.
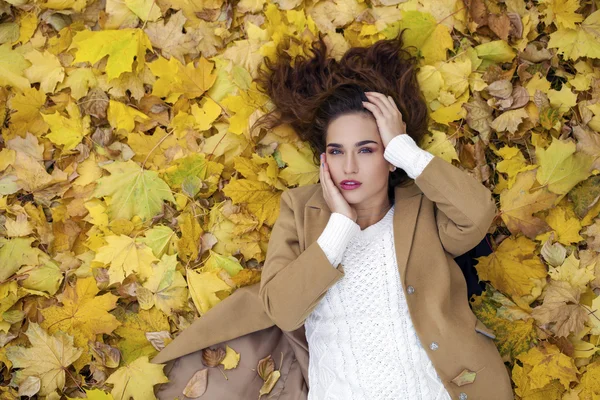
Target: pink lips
[[350, 185]]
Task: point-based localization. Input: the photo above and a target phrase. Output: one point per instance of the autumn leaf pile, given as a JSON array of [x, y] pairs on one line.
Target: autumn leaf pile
[[134, 197]]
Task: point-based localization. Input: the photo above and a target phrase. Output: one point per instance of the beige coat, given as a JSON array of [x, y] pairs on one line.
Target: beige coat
[[440, 215]]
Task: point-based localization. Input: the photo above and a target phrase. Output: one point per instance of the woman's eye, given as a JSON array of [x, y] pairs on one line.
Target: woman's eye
[[361, 150]]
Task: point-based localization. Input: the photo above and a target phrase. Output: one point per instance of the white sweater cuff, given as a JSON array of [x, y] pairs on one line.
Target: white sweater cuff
[[403, 152], [336, 235]]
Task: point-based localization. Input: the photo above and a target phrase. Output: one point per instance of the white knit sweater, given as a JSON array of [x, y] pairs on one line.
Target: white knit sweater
[[362, 343]]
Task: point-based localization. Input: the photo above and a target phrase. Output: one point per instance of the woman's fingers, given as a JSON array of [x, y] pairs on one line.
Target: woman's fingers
[[382, 102], [374, 109], [322, 177]]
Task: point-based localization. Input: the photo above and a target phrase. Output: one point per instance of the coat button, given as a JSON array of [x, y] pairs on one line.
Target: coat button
[[462, 396], [434, 346], [410, 289]]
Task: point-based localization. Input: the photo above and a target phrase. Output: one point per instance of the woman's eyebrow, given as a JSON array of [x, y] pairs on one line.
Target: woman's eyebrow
[[358, 144]]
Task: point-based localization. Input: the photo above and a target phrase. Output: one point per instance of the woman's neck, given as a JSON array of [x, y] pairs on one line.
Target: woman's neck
[[372, 213]]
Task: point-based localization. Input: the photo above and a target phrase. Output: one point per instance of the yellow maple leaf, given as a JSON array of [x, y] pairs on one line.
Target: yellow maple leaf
[[191, 232], [121, 116], [230, 241], [301, 169], [184, 171], [143, 373], [426, 34], [125, 256], [495, 51], [561, 167], [545, 363], [67, 131], [121, 46], [176, 79], [135, 325], [14, 253], [203, 287], [562, 12], [514, 269], [146, 10], [47, 358], [151, 148], [167, 285], [563, 99], [45, 277], [94, 394], [519, 203], [259, 197], [438, 143], [520, 375], [583, 41], [565, 224], [83, 314], [11, 70], [45, 68], [588, 386]]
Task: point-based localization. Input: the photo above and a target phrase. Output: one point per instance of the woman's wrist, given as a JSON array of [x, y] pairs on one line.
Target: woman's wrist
[[403, 152], [336, 235]]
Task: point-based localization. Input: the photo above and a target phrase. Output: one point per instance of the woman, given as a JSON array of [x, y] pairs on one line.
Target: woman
[[361, 338], [359, 275]]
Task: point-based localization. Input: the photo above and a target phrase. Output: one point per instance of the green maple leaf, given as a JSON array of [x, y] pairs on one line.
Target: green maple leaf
[[133, 191]]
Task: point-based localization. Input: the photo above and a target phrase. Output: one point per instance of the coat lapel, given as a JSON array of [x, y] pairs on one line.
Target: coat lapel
[[242, 312], [407, 205]]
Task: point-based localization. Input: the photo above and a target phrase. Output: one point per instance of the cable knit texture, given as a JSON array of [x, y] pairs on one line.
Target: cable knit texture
[[361, 340]]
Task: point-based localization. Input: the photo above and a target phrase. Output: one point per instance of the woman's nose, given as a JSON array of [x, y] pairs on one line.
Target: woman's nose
[[350, 164]]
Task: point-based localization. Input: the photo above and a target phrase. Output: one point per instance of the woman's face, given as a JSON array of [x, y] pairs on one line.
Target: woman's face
[[354, 151]]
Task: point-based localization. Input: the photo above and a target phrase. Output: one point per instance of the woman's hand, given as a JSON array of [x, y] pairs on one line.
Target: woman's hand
[[388, 117], [335, 200]]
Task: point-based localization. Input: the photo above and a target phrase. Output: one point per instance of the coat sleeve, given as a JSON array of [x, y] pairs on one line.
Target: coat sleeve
[[293, 282], [464, 207]]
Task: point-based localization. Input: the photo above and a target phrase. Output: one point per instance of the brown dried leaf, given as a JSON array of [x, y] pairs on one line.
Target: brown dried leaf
[[107, 355], [535, 52], [158, 339], [516, 25], [213, 357], [500, 25], [501, 88], [265, 367], [196, 386], [479, 114], [478, 11], [465, 377], [519, 96]]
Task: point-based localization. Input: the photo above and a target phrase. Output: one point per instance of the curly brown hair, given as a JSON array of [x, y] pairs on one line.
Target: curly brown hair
[[310, 93]]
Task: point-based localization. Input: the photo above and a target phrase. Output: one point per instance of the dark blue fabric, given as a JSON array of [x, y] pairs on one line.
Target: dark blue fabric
[[467, 263]]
